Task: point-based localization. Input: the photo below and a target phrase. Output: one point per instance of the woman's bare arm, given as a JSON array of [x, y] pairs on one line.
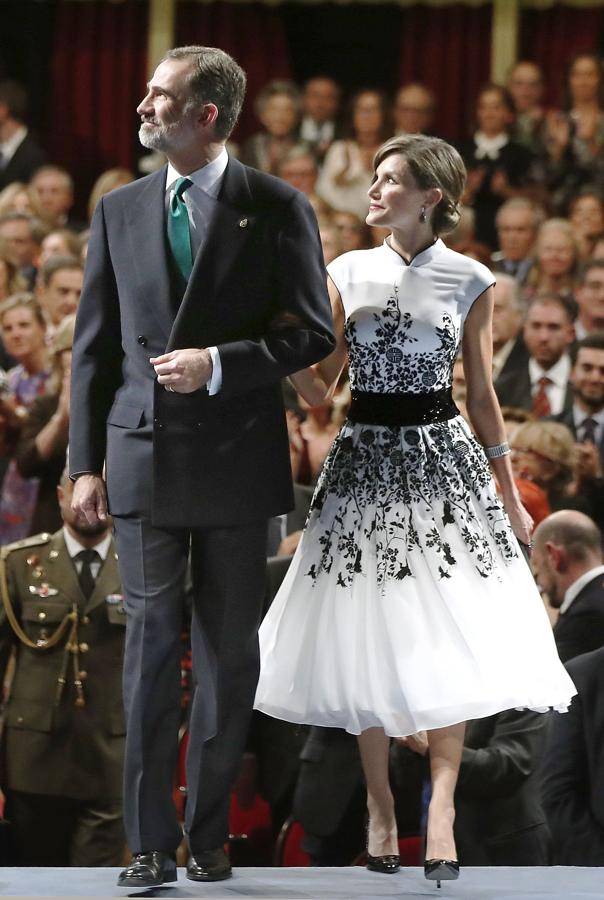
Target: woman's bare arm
[[483, 407], [318, 383]]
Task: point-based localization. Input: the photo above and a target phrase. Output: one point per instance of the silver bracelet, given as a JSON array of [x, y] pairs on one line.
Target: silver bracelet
[[497, 450]]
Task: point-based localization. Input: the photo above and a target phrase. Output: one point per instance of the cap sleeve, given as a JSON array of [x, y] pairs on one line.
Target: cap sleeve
[[339, 272], [481, 278]]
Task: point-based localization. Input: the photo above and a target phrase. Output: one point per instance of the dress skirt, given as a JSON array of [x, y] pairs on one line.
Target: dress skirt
[[408, 603]]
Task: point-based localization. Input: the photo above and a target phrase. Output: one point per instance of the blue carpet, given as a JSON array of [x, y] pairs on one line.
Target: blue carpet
[[317, 884]]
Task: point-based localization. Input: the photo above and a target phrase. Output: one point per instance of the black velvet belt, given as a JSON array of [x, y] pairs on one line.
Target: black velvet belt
[[396, 410]]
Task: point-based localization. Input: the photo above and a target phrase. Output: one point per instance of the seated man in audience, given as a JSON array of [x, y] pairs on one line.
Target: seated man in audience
[[573, 769], [64, 724], [590, 298], [568, 566], [23, 236], [585, 417], [499, 819], [517, 222], [541, 384], [299, 168], [19, 153], [525, 84], [56, 191], [59, 292], [320, 108], [414, 108], [509, 350]]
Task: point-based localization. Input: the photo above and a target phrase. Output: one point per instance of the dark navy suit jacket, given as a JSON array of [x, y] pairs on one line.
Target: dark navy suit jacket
[[257, 291]]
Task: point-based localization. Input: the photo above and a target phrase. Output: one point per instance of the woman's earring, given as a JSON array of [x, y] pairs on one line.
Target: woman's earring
[[422, 214]]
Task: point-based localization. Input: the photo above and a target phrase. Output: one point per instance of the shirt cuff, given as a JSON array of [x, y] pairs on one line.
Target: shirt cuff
[[215, 382]]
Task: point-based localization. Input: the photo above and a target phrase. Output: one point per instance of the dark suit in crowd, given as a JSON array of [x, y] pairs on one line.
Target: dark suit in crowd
[[499, 818], [23, 163], [193, 471], [63, 743], [573, 769], [567, 418], [581, 628], [513, 388]]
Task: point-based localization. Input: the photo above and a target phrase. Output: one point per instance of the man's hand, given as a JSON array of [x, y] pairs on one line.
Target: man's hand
[[183, 371], [416, 742], [89, 499], [588, 461]]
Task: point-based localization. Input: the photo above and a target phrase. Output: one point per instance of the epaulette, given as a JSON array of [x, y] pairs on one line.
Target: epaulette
[[36, 540]]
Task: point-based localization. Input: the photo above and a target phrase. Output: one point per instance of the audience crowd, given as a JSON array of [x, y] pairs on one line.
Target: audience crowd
[[530, 789]]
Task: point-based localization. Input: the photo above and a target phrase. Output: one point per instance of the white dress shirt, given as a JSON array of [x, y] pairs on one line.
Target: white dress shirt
[[501, 357], [579, 417], [201, 202], [558, 375], [9, 148], [74, 547], [577, 586]]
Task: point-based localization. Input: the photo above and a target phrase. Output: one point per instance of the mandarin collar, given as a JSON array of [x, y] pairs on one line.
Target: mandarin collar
[[420, 258]]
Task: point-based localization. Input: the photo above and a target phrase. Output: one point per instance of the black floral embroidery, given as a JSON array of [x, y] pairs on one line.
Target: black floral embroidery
[[385, 492], [388, 361]]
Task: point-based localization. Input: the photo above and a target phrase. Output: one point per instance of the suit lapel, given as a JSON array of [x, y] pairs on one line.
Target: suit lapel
[[230, 229], [146, 218]]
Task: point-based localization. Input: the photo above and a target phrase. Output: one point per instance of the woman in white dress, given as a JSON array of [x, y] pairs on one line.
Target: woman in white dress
[[408, 605]]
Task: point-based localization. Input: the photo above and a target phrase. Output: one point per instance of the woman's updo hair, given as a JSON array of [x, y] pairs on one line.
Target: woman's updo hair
[[433, 164]]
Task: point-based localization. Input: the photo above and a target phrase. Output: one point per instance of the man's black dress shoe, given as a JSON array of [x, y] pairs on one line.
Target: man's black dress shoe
[[209, 865], [148, 870]]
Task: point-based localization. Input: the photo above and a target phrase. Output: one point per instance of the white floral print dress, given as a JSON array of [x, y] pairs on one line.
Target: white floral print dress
[[408, 603]]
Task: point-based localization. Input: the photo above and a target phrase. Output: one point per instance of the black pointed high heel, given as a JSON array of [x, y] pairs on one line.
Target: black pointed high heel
[[441, 870], [386, 865]]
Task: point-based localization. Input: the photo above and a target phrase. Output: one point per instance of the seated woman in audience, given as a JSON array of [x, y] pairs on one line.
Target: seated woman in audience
[[11, 281], [106, 182], [556, 260], [59, 242], [544, 452], [21, 197], [23, 328], [348, 168], [575, 134], [586, 215], [301, 169], [42, 445], [331, 241], [354, 233], [278, 108], [498, 167]]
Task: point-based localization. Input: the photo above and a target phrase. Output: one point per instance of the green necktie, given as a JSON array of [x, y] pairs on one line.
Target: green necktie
[[178, 228]]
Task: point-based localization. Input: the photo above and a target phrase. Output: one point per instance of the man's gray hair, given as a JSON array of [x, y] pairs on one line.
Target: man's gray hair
[[525, 203], [215, 78], [505, 280]]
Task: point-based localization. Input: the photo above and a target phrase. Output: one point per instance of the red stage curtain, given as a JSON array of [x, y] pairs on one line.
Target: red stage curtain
[[252, 33], [449, 49], [98, 78], [550, 37]]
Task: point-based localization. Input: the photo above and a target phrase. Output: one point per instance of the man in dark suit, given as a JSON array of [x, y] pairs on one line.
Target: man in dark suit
[[517, 222], [568, 566], [20, 156], [63, 749], [509, 350], [541, 384], [204, 287], [573, 769], [585, 417]]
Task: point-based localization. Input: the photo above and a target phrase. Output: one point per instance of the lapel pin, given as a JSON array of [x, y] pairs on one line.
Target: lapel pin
[[243, 223]]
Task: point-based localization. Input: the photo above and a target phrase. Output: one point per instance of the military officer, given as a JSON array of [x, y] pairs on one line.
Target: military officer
[[63, 741]]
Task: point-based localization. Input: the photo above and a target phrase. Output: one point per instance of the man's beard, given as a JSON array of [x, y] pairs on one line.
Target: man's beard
[[595, 404], [85, 529], [165, 138]]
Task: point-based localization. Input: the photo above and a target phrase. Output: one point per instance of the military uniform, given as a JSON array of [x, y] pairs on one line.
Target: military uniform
[[64, 725]]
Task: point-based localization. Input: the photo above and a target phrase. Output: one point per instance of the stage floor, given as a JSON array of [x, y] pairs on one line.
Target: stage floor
[[317, 884]]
